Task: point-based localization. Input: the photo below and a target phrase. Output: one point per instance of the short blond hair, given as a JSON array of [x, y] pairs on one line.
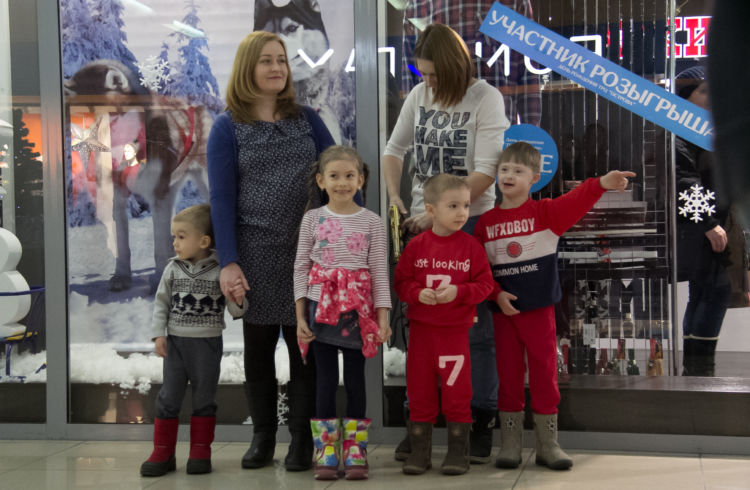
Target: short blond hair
[[242, 91], [199, 216], [440, 183], [454, 70], [523, 153]]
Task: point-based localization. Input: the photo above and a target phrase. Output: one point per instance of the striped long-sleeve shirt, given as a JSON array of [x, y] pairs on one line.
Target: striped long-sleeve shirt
[[351, 241]]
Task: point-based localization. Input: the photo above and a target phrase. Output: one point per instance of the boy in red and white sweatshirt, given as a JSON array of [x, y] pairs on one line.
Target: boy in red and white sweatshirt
[[520, 237], [442, 275]]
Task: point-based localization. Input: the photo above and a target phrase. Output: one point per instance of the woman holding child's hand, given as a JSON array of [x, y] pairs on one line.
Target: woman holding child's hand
[[260, 152]]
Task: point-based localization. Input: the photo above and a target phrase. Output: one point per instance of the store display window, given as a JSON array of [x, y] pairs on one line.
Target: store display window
[[143, 84], [23, 366], [616, 264]]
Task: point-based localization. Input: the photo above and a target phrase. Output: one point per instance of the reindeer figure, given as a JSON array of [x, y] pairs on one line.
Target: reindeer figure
[[176, 135]]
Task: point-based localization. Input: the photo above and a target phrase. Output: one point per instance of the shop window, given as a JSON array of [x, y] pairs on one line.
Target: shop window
[[615, 265], [23, 360], [143, 85]]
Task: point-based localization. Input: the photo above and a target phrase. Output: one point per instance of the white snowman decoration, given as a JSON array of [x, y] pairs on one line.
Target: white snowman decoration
[[13, 306]]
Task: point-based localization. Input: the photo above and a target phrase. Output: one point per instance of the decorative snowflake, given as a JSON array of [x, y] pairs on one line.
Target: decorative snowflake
[[697, 203], [154, 73], [282, 408]]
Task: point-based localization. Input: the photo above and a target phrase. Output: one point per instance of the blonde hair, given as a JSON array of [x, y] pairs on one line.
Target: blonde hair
[[454, 70], [242, 91], [436, 185], [523, 153], [199, 216]]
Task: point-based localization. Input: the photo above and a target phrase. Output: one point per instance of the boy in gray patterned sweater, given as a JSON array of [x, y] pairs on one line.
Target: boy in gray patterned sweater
[[187, 324]]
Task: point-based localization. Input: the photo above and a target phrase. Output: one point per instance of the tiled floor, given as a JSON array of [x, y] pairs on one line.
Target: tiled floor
[[37, 465]]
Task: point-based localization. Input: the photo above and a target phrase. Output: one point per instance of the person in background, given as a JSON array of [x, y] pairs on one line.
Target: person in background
[[187, 324], [260, 152], [521, 88], [702, 255], [456, 124]]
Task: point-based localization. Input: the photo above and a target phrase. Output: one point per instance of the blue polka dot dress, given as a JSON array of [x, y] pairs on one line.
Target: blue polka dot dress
[[274, 163]]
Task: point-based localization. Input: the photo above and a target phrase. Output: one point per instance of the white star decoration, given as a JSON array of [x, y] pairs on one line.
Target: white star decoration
[[85, 140]]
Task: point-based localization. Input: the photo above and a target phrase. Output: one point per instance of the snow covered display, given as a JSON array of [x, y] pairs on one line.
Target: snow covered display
[[133, 70], [14, 305]]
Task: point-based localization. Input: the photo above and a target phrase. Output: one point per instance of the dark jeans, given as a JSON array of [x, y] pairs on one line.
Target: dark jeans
[[704, 314], [193, 359], [327, 366], [482, 350]]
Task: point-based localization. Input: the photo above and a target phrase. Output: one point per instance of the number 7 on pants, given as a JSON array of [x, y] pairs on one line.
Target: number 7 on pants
[[459, 363]]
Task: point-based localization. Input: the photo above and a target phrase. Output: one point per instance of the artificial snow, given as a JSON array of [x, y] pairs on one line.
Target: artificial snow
[[110, 337]]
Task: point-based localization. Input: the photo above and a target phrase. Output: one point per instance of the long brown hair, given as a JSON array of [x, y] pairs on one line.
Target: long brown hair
[[443, 46], [242, 91]]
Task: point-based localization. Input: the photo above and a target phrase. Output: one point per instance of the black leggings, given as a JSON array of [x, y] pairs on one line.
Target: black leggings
[[260, 352], [327, 366]]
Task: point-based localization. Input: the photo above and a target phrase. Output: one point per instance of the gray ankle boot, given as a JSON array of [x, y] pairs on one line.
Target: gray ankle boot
[[548, 451], [420, 457], [511, 440], [456, 462]]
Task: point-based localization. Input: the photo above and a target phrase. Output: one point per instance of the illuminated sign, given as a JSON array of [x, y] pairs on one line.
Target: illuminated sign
[[696, 30], [599, 75]]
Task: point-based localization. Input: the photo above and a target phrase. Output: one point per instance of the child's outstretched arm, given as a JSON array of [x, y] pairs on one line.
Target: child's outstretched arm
[[615, 180], [563, 212]]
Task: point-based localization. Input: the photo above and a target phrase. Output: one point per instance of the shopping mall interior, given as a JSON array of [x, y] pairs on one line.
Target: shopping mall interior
[[107, 110]]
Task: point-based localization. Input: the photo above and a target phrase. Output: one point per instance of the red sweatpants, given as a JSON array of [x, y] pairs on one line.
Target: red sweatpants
[[532, 332], [438, 352]]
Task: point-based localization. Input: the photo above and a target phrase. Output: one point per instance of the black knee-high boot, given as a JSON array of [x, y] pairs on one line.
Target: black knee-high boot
[[705, 354], [262, 399], [301, 410], [688, 357], [301, 392]]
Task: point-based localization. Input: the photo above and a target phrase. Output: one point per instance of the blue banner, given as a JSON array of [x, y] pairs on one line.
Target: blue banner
[[601, 76]]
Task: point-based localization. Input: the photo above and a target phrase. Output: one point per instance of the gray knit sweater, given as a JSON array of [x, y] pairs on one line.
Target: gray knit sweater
[[189, 302]]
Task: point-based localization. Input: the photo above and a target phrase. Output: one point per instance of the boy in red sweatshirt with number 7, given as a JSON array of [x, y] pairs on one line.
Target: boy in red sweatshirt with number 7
[[442, 275], [520, 237]]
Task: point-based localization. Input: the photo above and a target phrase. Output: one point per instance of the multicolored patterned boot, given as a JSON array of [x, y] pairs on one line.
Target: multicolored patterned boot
[[327, 439], [355, 448]]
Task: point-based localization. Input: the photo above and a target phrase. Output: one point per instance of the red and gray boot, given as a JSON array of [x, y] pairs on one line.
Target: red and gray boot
[[162, 459], [201, 437]]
